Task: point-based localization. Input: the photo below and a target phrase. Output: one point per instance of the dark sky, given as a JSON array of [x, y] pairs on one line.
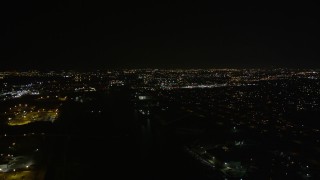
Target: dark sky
[[75, 34]]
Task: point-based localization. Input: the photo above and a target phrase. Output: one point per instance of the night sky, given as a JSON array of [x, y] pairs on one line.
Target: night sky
[[53, 34]]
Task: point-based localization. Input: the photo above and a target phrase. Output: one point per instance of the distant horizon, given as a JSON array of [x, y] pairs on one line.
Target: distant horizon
[[150, 68]]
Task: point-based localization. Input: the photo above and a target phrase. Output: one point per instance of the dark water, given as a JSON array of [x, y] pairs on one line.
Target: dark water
[[113, 144]]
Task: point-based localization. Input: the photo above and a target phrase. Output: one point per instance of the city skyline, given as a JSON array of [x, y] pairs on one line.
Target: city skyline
[[189, 124]]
